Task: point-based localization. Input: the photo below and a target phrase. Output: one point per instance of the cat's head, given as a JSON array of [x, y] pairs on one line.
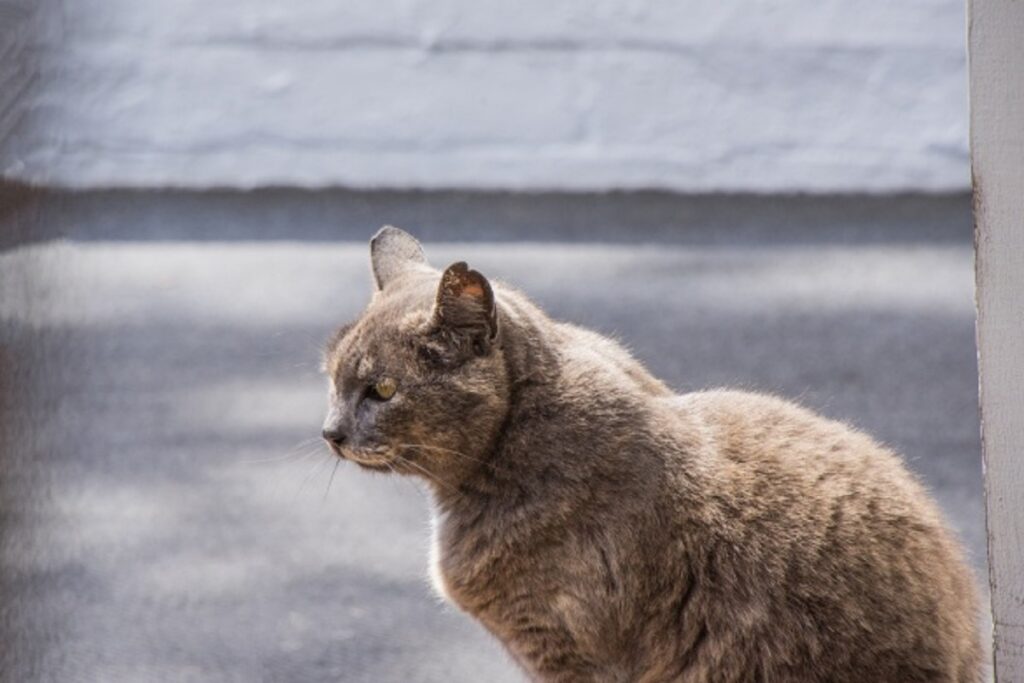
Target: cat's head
[[417, 384]]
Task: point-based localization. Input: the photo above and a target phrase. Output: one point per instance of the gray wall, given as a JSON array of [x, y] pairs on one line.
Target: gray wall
[[736, 95]]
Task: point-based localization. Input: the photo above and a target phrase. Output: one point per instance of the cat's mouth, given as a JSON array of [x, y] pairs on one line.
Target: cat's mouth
[[377, 459]]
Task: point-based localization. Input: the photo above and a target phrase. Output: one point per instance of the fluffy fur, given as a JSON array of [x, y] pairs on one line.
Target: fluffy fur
[[606, 529]]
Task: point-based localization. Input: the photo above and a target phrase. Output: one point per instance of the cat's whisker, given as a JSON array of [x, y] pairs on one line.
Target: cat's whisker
[[293, 452], [314, 469], [331, 480], [427, 447], [396, 487], [318, 440], [429, 475], [303, 457], [287, 456]]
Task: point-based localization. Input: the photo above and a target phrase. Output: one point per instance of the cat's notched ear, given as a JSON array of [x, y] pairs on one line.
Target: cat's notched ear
[[465, 304], [392, 252]]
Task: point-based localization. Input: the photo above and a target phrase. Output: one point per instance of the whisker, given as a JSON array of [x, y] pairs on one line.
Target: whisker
[[331, 480], [429, 475], [294, 457], [427, 447], [298, 457], [302, 457], [290, 453], [396, 486], [314, 469]]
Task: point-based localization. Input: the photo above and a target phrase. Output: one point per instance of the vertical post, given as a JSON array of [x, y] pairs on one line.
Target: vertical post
[[996, 49]]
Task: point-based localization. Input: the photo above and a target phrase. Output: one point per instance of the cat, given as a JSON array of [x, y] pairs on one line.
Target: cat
[[604, 528]]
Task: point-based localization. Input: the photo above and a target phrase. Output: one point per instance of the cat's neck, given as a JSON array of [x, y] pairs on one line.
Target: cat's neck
[[572, 419], [531, 364]]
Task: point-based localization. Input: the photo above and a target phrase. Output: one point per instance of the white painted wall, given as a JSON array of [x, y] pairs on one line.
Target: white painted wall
[[997, 149], [742, 95], [19, 24]]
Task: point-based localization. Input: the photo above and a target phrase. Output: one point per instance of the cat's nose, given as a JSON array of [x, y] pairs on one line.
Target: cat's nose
[[334, 435]]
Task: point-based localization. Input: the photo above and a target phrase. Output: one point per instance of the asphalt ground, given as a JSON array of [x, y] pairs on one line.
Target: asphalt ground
[[168, 514]]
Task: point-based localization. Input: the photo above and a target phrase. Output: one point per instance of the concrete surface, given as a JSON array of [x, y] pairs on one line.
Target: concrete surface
[[710, 95], [168, 514]]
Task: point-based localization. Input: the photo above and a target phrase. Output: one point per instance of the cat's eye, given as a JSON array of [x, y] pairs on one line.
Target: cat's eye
[[383, 389]]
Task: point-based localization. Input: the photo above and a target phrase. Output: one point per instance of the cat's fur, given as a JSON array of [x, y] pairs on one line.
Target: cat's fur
[[606, 529]]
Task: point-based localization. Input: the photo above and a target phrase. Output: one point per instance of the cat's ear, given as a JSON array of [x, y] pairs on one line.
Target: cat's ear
[[465, 306], [392, 252]]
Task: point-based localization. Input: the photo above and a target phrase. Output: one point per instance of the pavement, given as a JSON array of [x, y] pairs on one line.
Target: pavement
[[167, 511]]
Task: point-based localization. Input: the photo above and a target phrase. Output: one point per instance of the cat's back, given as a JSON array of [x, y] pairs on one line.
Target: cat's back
[[841, 546], [749, 431]]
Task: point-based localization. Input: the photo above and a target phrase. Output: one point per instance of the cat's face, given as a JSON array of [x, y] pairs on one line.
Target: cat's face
[[417, 384]]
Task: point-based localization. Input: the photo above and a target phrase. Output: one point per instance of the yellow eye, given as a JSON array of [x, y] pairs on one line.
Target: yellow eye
[[384, 389]]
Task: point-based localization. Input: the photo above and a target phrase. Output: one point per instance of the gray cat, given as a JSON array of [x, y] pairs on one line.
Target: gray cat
[[604, 528]]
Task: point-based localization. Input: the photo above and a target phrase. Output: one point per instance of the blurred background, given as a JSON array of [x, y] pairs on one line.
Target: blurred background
[[187, 192]]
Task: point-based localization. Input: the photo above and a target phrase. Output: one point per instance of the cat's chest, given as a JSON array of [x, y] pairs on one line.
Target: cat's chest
[[475, 569], [437, 578], [457, 576], [527, 594]]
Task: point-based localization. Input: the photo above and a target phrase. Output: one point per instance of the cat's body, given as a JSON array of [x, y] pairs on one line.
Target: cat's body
[[605, 529]]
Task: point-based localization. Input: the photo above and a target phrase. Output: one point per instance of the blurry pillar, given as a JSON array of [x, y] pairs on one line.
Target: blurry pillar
[[996, 46]]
